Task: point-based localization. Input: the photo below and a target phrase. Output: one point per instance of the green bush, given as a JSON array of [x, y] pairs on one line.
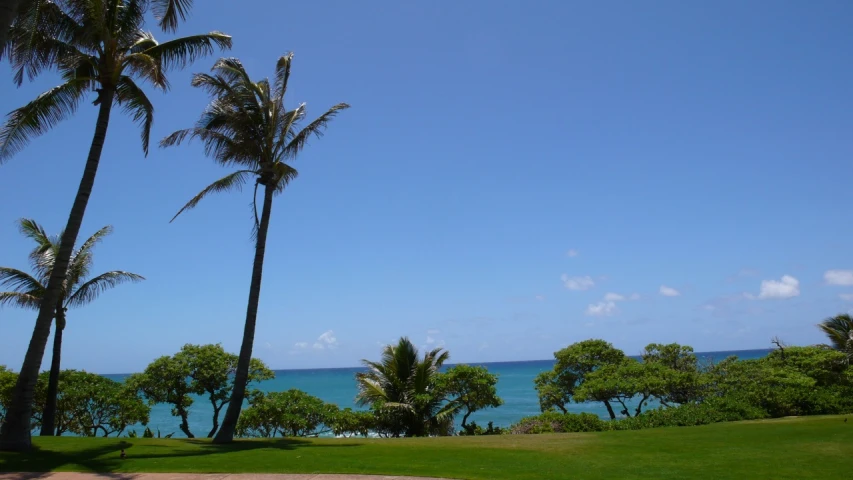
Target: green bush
[[554, 422], [472, 429]]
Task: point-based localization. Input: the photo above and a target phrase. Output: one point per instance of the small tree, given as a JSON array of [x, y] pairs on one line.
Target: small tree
[[7, 385], [165, 380], [293, 413], [557, 387], [471, 387]]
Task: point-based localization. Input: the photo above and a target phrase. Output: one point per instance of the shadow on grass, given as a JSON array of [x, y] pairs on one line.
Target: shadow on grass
[[104, 460]]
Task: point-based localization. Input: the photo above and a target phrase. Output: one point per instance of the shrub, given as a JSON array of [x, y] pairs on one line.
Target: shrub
[[554, 422]]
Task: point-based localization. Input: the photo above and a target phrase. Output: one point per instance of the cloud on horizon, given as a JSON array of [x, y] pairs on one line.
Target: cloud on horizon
[[577, 283], [668, 291], [843, 278]]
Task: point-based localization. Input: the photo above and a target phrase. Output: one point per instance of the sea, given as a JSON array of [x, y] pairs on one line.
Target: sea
[[338, 386]]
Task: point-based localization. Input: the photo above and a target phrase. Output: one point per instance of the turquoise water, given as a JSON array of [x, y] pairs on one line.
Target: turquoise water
[[337, 385]]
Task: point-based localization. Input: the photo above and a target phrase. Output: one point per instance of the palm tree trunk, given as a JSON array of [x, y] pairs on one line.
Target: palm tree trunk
[[8, 12], [48, 417], [15, 433], [232, 414]]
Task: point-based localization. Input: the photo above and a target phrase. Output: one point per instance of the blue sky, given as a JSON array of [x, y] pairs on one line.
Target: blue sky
[[512, 177]]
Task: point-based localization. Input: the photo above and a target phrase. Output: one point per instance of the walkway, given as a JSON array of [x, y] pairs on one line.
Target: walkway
[[199, 476]]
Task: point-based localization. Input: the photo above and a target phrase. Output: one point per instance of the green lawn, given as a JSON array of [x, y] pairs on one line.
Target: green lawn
[[795, 448]]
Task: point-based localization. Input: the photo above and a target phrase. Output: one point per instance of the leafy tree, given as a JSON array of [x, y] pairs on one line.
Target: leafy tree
[[247, 126], [839, 329], [77, 291], [293, 413], [473, 388], [7, 385], [349, 422], [573, 363], [679, 369], [165, 380], [405, 392], [212, 373], [206, 370], [100, 46]]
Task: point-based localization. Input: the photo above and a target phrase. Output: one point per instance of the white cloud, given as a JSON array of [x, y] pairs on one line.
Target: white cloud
[[786, 287], [839, 277], [572, 253], [669, 291], [634, 296], [613, 297], [430, 340], [846, 296], [300, 345], [601, 309], [539, 298], [577, 283], [326, 339]]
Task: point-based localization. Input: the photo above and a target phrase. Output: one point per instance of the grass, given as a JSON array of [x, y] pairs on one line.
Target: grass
[[790, 448]]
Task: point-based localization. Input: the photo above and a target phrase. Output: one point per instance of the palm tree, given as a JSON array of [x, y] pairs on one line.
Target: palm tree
[[247, 126], [406, 388], [839, 329], [77, 291], [96, 45]]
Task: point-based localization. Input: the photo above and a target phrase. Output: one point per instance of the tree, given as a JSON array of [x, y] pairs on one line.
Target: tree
[[839, 329], [405, 391], [77, 290], [96, 45], [293, 413], [8, 379], [206, 370], [573, 363], [165, 380], [212, 372], [349, 422], [473, 388], [247, 126], [679, 370]]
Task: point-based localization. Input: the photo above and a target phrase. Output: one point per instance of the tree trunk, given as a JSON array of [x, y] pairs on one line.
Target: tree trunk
[[232, 414], [15, 434], [185, 426], [216, 410], [610, 410], [465, 418], [8, 12], [48, 417]]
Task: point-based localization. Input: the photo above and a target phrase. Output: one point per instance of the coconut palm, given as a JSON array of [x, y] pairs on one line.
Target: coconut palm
[[247, 126], [96, 45], [404, 390], [839, 329], [77, 291]]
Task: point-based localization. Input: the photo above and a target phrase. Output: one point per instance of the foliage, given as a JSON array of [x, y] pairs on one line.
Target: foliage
[[206, 370], [557, 388], [839, 329], [470, 387], [349, 423], [406, 392], [293, 413], [91, 405], [7, 385], [682, 374], [473, 429], [558, 422]]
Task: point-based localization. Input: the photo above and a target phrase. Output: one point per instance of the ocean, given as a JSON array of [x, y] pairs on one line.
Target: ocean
[[338, 386]]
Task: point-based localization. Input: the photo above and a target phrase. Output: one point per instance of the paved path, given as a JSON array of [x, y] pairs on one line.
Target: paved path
[[200, 476]]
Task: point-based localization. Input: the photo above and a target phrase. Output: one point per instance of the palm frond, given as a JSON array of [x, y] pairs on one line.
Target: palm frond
[[19, 299], [284, 174], [282, 75], [38, 116], [169, 13], [232, 70], [147, 68], [314, 128], [136, 104], [182, 51], [20, 281], [229, 182], [95, 238], [143, 41], [839, 329], [90, 290], [220, 146], [29, 228]]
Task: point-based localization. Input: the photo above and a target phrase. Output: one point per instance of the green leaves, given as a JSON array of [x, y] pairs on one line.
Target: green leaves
[[839, 329], [39, 116], [293, 413], [232, 181], [185, 50]]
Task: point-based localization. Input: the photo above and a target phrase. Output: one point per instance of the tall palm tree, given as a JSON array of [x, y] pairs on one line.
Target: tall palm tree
[[839, 329], [78, 290], [96, 45], [406, 387], [247, 126]]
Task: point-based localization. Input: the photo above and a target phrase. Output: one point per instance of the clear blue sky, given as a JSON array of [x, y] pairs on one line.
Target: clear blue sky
[[698, 148]]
